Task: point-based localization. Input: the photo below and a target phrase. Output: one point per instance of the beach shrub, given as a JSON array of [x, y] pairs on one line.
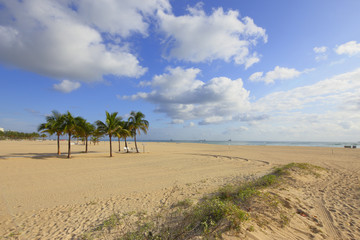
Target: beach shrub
[[246, 192], [266, 181], [306, 167], [144, 231], [211, 212], [227, 192], [109, 223], [186, 203]]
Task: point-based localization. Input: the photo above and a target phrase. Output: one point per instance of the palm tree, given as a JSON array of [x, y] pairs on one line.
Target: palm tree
[[110, 126], [71, 127], [123, 132], [43, 136], [127, 133], [96, 136], [54, 124], [94, 139], [85, 130], [137, 124]]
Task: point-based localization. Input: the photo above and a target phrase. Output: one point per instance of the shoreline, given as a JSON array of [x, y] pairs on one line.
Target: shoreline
[[339, 144]]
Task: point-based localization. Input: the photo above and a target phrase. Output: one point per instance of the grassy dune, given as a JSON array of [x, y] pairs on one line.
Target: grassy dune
[[234, 209]]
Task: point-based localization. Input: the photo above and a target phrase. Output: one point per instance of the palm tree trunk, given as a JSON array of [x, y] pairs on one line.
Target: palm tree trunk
[[136, 144], [86, 143], [119, 145], [69, 146], [127, 150], [110, 146], [58, 143]]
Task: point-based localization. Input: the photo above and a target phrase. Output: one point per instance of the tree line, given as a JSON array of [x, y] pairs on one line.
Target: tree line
[[113, 126], [14, 135]]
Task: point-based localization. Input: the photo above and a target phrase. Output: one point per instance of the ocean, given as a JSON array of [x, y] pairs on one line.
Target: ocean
[[266, 143]]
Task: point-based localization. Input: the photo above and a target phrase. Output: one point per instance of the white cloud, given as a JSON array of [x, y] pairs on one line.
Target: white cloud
[[214, 119], [119, 17], [279, 73], [181, 96], [327, 110], [198, 37], [321, 57], [335, 125], [333, 92], [350, 48], [341, 61], [322, 49], [320, 53], [191, 124], [323, 111], [53, 39], [66, 86]]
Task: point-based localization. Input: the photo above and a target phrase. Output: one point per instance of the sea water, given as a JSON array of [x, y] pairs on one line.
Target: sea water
[[254, 143], [265, 143]]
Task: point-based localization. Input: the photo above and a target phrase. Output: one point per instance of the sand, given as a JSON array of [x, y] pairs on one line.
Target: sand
[[43, 196]]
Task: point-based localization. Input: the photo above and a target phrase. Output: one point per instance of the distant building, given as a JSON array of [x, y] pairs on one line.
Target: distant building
[[1, 130]]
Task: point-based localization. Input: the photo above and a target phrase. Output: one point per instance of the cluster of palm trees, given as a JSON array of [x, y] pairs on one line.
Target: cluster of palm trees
[[114, 126]]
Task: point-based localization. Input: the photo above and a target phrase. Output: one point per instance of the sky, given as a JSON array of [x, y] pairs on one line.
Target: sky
[[247, 70]]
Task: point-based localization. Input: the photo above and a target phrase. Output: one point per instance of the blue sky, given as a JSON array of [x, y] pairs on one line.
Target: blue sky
[[245, 70]]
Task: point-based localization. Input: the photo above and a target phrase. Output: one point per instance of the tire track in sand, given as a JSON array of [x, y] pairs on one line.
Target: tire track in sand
[[335, 200]]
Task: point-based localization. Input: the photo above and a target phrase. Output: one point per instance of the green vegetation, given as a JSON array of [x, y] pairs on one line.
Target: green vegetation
[[71, 126], [226, 209], [208, 214], [184, 203], [14, 234], [123, 132], [251, 228], [13, 135], [78, 127], [85, 130], [109, 223], [308, 168], [285, 220], [137, 123], [53, 125], [110, 127]]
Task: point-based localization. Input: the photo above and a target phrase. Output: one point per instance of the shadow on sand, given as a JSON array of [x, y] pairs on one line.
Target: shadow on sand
[[41, 156]]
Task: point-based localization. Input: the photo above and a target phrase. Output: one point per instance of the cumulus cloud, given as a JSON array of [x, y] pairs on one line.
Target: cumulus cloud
[[72, 41], [319, 111], [350, 48], [334, 91], [214, 119], [322, 49], [320, 53], [279, 73], [66, 86], [119, 17], [198, 37], [180, 95], [323, 111]]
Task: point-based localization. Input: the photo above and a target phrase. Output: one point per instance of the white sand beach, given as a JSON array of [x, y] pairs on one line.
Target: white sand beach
[[43, 196]]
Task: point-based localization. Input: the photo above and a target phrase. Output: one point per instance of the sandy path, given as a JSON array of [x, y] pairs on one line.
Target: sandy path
[[46, 197]]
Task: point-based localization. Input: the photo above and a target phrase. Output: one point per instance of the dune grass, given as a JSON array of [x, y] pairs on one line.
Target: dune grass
[[224, 210]]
